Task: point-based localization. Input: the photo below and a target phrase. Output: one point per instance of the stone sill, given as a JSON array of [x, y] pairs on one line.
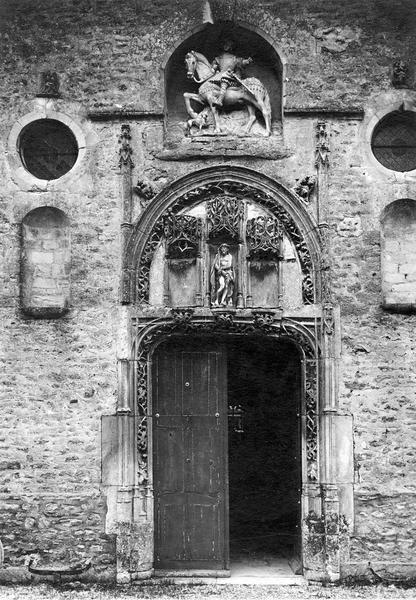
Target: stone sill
[[399, 307], [120, 112], [211, 146], [326, 112], [114, 113]]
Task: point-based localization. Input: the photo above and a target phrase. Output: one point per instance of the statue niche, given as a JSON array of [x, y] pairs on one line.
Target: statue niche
[[223, 88], [224, 82], [225, 218], [222, 278]]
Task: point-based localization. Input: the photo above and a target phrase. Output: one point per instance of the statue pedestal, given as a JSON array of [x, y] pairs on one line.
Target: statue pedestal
[[203, 146]]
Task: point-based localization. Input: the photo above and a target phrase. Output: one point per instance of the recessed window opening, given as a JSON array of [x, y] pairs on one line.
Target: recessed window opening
[[48, 148], [394, 141]]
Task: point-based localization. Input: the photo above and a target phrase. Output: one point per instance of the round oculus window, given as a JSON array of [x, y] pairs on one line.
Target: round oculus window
[[48, 148], [394, 141]]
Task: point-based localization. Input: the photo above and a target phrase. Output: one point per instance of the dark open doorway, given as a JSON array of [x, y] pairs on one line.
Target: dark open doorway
[[225, 486], [264, 450]]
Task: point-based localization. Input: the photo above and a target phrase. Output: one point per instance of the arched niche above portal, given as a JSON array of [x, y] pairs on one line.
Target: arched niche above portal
[[192, 116]]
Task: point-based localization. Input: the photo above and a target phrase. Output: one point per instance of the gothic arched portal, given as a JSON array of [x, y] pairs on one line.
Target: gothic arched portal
[[182, 228]]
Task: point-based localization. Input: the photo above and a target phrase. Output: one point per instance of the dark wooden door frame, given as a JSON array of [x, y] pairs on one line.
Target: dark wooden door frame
[[201, 367]]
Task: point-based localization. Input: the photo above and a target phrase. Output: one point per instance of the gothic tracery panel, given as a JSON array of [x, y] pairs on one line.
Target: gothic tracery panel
[[224, 216]]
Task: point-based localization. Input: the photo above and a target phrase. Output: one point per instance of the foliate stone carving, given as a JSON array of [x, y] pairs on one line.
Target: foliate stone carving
[[141, 383], [305, 188], [322, 145], [232, 214], [49, 85], [182, 317], [262, 323], [308, 289], [222, 277], [125, 150], [144, 190], [182, 234], [223, 85], [264, 237], [224, 216], [400, 75], [311, 410]]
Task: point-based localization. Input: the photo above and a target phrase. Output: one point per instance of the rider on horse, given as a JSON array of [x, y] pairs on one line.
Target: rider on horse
[[228, 69]]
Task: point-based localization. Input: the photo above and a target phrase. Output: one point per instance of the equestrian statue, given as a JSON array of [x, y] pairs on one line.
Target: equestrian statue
[[222, 85]]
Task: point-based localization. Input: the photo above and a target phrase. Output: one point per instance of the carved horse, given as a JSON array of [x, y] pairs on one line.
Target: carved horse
[[250, 93]]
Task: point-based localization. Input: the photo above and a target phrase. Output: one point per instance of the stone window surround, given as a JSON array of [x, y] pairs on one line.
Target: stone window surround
[[22, 177], [369, 126]]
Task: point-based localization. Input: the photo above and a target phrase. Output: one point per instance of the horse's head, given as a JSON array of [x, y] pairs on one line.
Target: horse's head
[[191, 62]]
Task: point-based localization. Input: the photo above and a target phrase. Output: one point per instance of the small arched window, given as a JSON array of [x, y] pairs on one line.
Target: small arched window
[[398, 255], [46, 263]]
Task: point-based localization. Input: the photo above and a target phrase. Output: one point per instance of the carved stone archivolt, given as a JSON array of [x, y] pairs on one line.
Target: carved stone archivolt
[[225, 202], [184, 321]]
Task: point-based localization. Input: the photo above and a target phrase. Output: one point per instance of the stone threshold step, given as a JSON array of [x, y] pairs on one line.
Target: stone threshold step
[[296, 580]]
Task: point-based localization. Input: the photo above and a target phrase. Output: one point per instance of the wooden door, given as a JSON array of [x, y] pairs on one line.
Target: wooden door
[[190, 457]]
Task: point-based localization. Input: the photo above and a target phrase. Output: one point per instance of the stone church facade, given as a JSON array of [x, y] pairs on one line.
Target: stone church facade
[[208, 213]]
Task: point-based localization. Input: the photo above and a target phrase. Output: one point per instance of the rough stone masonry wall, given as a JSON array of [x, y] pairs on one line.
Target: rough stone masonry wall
[[59, 376], [378, 379]]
